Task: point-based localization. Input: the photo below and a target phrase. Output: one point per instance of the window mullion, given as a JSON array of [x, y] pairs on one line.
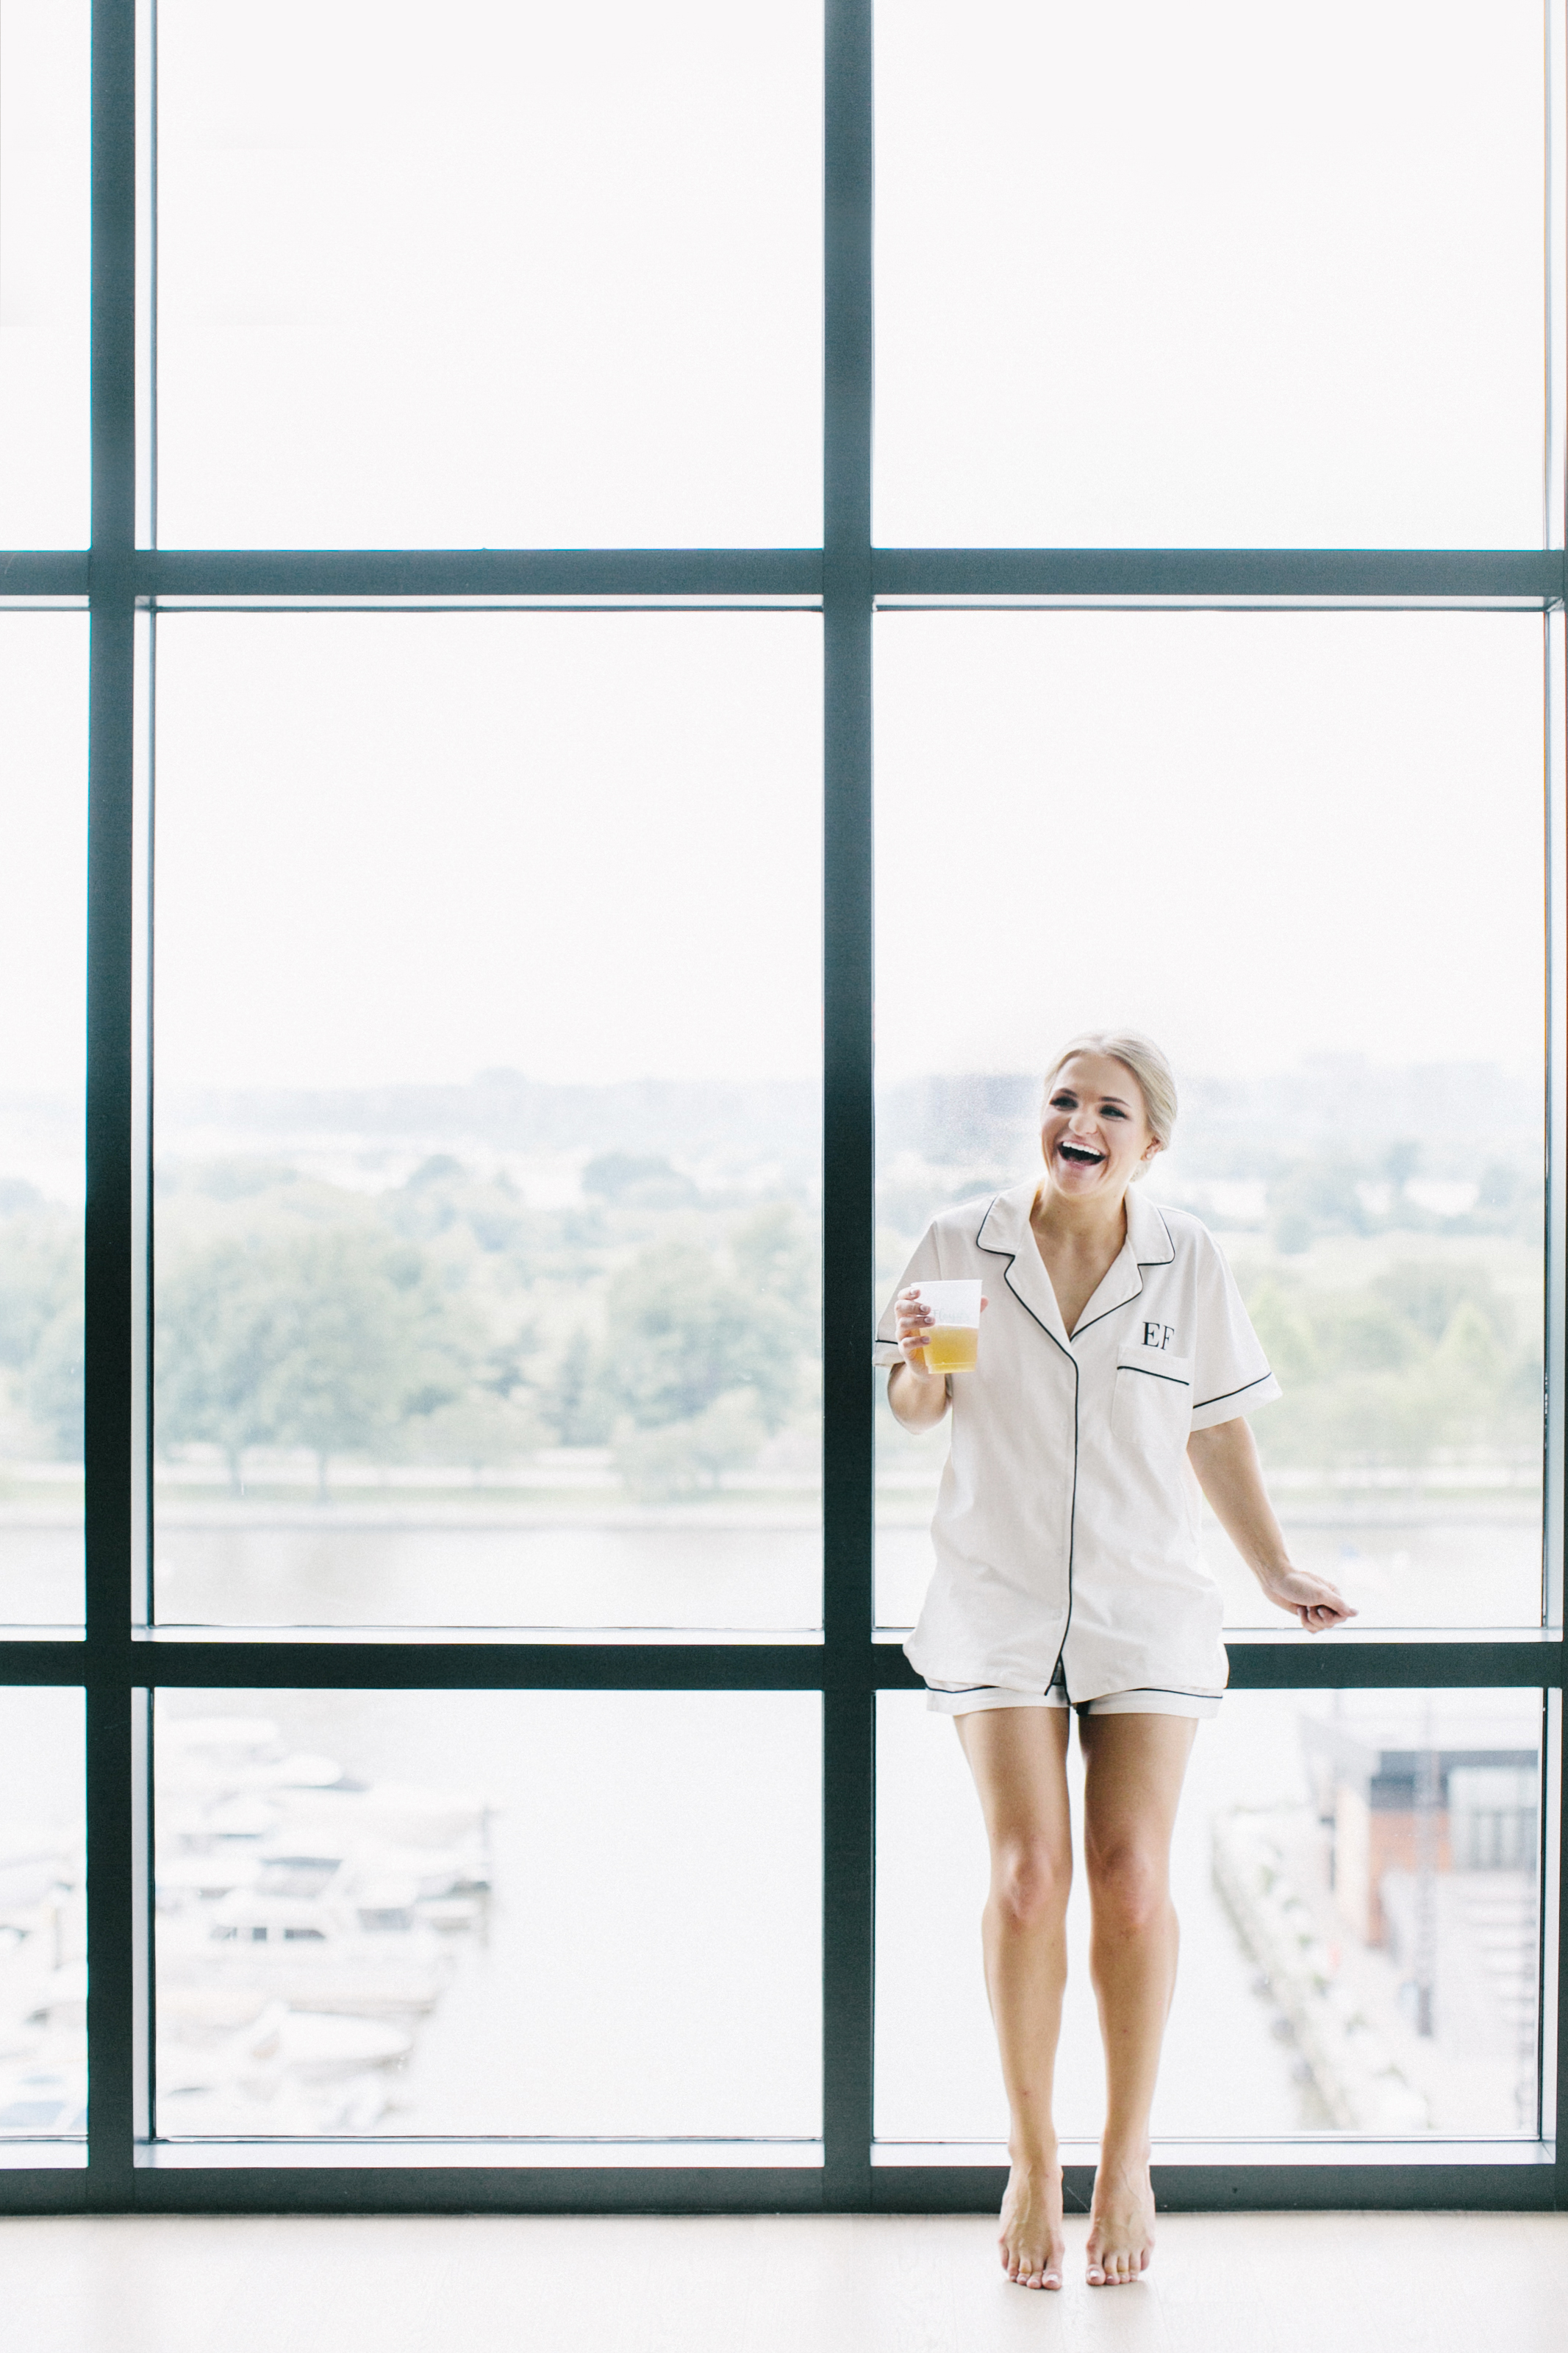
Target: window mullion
[[110, 1239], [848, 1179]]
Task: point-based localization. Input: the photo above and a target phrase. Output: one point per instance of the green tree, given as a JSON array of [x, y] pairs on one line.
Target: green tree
[[1428, 1359], [778, 1265], [329, 1337], [220, 1343], [367, 1342], [1427, 1293], [636, 1181], [684, 1331], [1286, 1333], [478, 1429], [578, 1401], [41, 1315], [57, 1386], [678, 1456], [1312, 1197]]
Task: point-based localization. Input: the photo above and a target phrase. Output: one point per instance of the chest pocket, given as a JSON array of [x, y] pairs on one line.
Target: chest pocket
[[1152, 1404]]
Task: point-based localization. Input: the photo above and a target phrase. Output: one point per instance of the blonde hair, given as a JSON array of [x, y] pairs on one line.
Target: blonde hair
[[1156, 1079]]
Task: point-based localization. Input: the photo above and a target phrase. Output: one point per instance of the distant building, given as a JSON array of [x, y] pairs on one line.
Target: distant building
[[1469, 1803]]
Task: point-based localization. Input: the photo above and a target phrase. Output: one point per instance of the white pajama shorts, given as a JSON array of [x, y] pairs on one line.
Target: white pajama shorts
[[945, 1699]]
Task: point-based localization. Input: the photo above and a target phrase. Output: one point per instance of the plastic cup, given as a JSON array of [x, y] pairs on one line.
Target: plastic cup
[[953, 1344]]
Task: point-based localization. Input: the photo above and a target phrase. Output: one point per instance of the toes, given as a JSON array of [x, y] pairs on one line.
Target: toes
[[1109, 2271]]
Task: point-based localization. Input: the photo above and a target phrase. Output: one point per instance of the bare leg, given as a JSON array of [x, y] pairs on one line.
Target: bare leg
[[1017, 1755], [1135, 1766]]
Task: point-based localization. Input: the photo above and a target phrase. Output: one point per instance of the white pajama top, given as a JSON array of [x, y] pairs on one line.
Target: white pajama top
[[1065, 1530]]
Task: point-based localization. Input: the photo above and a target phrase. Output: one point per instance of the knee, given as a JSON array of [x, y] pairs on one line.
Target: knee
[[1029, 1882], [1130, 1889]]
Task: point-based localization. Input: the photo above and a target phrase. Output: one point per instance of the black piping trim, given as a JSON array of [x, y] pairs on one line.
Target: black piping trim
[[1199, 1403], [1011, 1257], [1172, 1691], [1169, 1260], [1150, 1375]]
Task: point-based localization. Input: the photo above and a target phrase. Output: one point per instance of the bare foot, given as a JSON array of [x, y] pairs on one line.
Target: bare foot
[[1031, 2238], [1121, 2221]]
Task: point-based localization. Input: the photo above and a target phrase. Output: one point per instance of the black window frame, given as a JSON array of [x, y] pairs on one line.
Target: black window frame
[[116, 1665]]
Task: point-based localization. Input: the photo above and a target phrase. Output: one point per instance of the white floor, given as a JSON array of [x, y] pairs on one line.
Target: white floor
[[1229, 2284]]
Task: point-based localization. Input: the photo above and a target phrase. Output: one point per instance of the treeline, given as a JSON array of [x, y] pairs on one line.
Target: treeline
[[445, 1321], [1428, 1359], [442, 1321], [1315, 1196], [40, 1325]]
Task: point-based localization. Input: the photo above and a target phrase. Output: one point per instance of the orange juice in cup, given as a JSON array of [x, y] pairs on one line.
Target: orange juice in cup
[[953, 1344]]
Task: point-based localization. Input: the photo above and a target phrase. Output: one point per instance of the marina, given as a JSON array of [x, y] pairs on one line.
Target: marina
[[306, 1923]]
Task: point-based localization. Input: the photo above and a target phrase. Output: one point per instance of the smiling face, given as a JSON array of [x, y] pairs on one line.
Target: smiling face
[[1095, 1132]]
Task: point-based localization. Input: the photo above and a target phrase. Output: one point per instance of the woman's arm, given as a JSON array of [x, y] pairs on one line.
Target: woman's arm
[[918, 1398], [1229, 1471]]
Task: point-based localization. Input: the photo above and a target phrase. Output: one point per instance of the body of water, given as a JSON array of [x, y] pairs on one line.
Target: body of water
[[744, 1578], [1401, 1574]]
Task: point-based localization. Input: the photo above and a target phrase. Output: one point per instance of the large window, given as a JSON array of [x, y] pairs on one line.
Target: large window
[[452, 1549], [1357, 1876], [389, 1912], [43, 978], [487, 969], [1211, 277], [1307, 851]]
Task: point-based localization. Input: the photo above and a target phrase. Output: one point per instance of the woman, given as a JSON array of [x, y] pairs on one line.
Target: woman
[[1116, 1360]]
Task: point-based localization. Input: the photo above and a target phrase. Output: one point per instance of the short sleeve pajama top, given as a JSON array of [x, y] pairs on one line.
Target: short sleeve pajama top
[[1065, 1530]]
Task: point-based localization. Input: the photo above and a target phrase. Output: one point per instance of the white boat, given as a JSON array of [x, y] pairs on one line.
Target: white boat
[[306, 1923]]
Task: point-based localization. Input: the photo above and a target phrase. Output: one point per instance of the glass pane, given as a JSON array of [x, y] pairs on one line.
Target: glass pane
[[408, 1913], [552, 277], [1157, 277], [43, 1916], [488, 1030], [1304, 851], [1356, 1878], [44, 273], [43, 976]]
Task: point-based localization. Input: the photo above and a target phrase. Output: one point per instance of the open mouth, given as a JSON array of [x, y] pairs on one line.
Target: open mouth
[[1079, 1156]]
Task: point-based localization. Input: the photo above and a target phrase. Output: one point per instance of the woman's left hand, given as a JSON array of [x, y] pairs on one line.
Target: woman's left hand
[[1317, 1604]]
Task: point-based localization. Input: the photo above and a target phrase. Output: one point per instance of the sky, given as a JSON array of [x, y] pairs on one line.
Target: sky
[[589, 314], [43, 852], [1256, 835], [583, 846], [44, 168], [1118, 300], [1222, 275], [587, 846]]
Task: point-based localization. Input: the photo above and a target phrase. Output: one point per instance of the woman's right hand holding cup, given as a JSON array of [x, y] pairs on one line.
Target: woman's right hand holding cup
[[914, 1321]]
